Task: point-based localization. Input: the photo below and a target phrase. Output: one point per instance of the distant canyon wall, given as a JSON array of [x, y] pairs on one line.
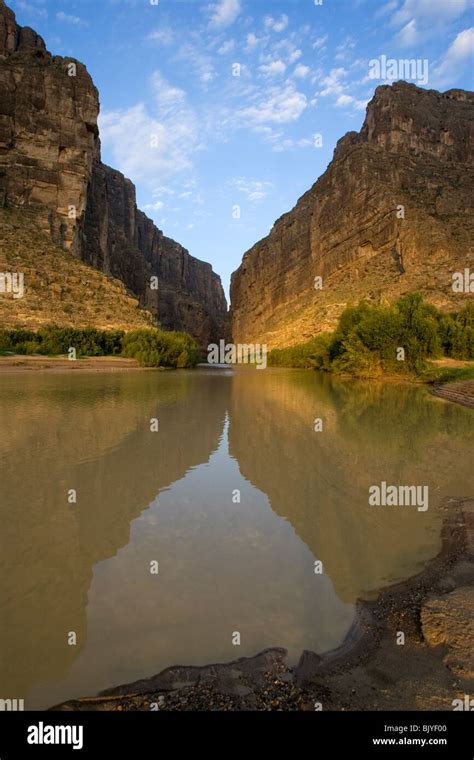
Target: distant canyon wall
[[50, 161]]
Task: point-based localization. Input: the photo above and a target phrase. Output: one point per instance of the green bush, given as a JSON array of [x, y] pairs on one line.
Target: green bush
[[151, 348], [157, 348], [313, 354], [367, 338], [456, 333]]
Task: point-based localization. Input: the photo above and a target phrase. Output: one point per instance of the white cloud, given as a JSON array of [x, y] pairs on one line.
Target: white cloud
[[163, 190], [223, 13], [344, 100], [68, 19], [344, 48], [272, 68], [202, 64], [31, 9], [157, 206], [295, 56], [167, 97], [226, 47], [153, 142], [301, 71], [386, 9], [279, 105], [430, 11], [281, 144], [163, 36], [408, 35], [455, 58], [277, 25], [421, 20], [252, 41], [332, 83], [319, 42], [255, 190], [335, 84]]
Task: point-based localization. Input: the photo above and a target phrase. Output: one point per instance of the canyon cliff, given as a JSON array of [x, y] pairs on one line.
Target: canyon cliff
[[50, 165], [392, 213]]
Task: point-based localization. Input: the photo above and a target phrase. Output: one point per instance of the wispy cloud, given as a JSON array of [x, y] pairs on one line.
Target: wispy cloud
[[67, 18], [32, 8], [223, 13], [255, 190], [156, 141], [420, 20], [408, 35], [319, 42], [162, 36], [386, 9], [201, 63], [459, 54], [301, 71], [279, 105], [226, 47], [276, 25], [272, 68], [429, 11]]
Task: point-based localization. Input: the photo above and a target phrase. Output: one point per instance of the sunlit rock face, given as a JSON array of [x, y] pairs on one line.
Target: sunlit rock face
[[392, 213], [50, 161]]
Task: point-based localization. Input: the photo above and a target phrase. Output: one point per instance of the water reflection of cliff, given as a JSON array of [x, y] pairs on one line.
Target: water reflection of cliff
[[226, 565], [99, 443], [319, 480]]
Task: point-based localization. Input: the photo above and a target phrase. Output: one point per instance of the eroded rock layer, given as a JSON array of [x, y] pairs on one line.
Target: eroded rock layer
[[392, 213], [50, 162]]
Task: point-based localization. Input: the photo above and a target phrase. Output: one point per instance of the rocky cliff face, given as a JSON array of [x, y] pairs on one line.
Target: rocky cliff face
[[50, 162], [121, 240], [392, 213], [48, 131]]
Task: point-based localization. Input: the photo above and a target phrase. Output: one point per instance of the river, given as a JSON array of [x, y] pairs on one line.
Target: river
[[210, 506]]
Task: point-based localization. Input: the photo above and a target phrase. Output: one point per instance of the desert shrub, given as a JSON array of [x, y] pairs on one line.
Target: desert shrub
[[157, 348], [313, 354], [357, 359], [367, 338], [456, 331], [13, 340], [87, 341]]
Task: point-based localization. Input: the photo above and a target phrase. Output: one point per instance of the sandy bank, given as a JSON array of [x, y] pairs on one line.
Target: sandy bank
[[60, 364]]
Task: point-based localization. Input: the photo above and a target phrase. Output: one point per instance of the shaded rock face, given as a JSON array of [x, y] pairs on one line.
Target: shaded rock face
[[48, 132], [122, 241], [392, 213], [50, 161]]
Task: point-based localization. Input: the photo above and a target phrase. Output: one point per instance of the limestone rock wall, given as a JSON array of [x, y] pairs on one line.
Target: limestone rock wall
[[415, 150]]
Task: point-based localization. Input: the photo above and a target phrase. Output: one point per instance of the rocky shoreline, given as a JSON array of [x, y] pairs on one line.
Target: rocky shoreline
[[372, 670]]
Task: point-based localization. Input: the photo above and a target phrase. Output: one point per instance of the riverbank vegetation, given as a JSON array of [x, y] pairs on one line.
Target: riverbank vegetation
[[150, 347], [371, 340]]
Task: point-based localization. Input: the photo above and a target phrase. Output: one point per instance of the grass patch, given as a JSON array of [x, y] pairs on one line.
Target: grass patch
[[447, 374]]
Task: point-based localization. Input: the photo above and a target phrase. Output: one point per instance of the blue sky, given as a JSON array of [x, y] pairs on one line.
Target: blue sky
[[199, 135]]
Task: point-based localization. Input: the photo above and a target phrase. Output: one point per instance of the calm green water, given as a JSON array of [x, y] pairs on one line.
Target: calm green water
[[170, 496]]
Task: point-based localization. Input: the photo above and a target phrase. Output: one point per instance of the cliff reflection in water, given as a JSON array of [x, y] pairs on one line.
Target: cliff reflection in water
[[167, 496]]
